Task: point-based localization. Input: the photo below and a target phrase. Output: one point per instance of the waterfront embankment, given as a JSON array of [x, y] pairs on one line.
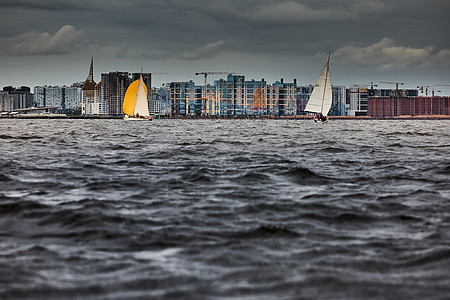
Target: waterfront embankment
[[181, 117]]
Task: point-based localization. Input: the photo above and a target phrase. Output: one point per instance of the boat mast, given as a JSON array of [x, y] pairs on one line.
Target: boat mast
[[326, 79], [139, 87]]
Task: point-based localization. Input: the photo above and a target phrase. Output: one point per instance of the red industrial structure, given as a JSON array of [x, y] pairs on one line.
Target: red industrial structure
[[410, 106]]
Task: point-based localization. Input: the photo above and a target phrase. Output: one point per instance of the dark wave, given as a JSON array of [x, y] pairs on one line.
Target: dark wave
[[349, 218], [418, 133], [119, 147], [6, 137], [199, 175], [261, 209], [20, 137], [302, 175], [333, 150], [10, 206], [264, 231], [4, 178], [273, 230], [254, 177], [396, 145], [442, 169], [426, 258], [406, 218]]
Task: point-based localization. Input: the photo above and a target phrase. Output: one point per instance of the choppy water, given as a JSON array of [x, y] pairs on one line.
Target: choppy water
[[226, 209]]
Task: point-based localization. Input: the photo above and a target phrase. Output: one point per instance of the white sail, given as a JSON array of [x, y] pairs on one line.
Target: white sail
[[321, 96], [141, 106]]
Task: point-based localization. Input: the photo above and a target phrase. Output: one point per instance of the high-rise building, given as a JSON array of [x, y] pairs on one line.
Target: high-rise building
[[386, 107], [182, 95], [223, 99], [160, 102], [113, 88], [15, 98], [235, 96], [282, 98], [338, 104], [257, 91], [357, 99], [235, 90], [64, 99]]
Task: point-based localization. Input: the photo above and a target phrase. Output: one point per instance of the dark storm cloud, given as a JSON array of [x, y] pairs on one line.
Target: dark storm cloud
[[207, 51], [65, 5], [189, 25], [285, 13], [40, 5], [375, 34]]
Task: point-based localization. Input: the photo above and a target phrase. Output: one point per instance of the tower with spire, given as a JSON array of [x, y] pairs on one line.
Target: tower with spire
[[88, 93], [89, 83]]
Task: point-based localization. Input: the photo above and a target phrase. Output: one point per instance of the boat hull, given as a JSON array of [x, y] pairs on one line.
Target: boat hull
[[320, 119], [128, 118]]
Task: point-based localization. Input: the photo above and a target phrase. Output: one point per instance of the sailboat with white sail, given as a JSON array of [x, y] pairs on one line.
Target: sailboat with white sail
[[135, 104], [321, 97]]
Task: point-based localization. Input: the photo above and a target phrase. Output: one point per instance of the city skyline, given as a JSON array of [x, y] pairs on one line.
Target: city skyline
[[52, 42]]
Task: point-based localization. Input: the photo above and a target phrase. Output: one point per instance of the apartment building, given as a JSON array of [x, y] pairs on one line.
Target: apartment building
[[68, 100], [12, 98]]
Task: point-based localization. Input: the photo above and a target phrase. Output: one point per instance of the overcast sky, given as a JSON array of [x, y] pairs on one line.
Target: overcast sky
[[51, 42]]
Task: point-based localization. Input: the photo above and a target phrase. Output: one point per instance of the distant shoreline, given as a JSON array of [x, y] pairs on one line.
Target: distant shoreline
[[298, 117]]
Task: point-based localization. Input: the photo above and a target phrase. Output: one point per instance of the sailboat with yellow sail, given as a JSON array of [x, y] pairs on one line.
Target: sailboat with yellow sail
[[135, 104]]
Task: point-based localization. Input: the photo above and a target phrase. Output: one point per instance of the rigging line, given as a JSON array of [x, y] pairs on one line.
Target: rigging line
[[326, 79]]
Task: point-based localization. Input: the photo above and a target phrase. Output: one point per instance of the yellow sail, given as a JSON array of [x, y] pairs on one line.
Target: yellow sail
[[129, 101]]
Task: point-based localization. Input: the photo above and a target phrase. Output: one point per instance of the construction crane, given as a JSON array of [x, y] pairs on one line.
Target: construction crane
[[371, 89], [371, 85], [443, 85], [205, 74], [204, 96], [430, 88], [421, 88], [396, 85]]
